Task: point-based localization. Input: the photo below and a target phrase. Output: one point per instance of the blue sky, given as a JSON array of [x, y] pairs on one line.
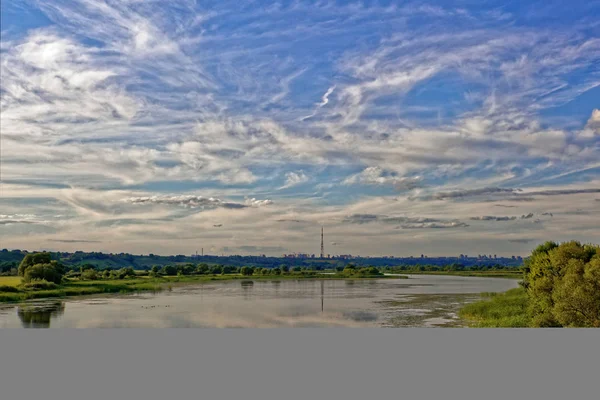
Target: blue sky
[[402, 127]]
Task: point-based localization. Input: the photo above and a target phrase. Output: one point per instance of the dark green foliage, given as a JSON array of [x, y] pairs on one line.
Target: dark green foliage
[[9, 268], [560, 288], [169, 270], [41, 266], [562, 282], [86, 267], [48, 272], [246, 271], [202, 269], [351, 270], [228, 269], [11, 289], [33, 259]]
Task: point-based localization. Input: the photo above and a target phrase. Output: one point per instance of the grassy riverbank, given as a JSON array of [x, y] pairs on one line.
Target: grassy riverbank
[[498, 310], [11, 289], [482, 274]]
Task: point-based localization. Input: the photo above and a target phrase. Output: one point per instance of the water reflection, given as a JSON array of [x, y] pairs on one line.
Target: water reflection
[[322, 293], [263, 303], [39, 316], [247, 287]]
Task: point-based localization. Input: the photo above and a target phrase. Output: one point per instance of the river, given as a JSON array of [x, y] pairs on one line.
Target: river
[[422, 300]]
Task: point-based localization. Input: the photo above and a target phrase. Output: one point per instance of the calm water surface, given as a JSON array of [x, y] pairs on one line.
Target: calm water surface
[[423, 300]]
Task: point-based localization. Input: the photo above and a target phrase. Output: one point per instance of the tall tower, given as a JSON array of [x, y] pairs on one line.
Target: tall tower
[[322, 247]]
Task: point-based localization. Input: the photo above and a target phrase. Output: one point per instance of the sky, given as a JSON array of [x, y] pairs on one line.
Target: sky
[[404, 128]]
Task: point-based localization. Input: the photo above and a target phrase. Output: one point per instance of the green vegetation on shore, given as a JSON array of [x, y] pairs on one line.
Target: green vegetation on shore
[[560, 288], [126, 280], [498, 310], [484, 274]]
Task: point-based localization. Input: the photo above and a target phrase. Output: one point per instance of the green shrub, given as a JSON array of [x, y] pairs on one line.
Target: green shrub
[[10, 289], [89, 275], [46, 272], [39, 284]]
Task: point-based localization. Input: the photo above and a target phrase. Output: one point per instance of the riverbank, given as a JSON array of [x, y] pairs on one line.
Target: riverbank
[[498, 310], [11, 290], [482, 274]]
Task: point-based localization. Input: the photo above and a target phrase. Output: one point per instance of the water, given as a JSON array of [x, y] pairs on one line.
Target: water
[[423, 300]]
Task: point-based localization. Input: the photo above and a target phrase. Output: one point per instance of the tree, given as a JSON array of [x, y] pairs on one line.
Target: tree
[[562, 284], [202, 269], [154, 271], [217, 270], [228, 269], [577, 296], [169, 270], [276, 271], [284, 268], [246, 271], [47, 272], [373, 271], [85, 267], [264, 271], [41, 266], [32, 259], [89, 275], [349, 269]]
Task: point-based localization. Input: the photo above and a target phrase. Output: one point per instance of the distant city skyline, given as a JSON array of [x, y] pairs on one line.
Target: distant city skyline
[[244, 127]]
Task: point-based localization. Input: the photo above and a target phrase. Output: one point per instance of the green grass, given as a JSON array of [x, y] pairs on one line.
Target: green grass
[[17, 292], [10, 281], [498, 310]]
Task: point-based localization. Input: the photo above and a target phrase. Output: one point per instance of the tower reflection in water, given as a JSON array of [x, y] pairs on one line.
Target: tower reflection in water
[[40, 315]]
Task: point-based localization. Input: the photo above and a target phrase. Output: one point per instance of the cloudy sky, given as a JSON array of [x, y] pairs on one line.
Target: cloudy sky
[[241, 127]]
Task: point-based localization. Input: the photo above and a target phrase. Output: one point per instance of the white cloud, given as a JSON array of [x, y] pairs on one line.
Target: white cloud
[[378, 176], [294, 178], [193, 201], [258, 203]]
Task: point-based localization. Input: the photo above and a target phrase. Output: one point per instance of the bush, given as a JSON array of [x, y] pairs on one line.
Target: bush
[[10, 289], [89, 275], [47, 272], [227, 269], [39, 284], [169, 270], [246, 271]]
